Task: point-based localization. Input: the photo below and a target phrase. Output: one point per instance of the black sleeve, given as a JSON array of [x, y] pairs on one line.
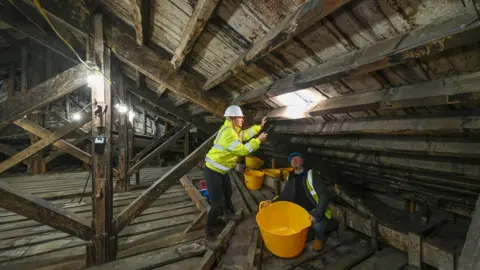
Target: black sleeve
[[283, 194], [323, 196]]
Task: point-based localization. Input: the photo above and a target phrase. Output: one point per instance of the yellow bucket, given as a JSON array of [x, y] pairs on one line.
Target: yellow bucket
[[275, 173], [253, 179], [253, 162], [286, 172], [284, 226]]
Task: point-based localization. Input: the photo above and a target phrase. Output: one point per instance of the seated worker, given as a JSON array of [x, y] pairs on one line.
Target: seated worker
[[307, 189]]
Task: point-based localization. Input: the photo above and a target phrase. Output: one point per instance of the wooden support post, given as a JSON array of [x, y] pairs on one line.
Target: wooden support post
[[38, 146], [130, 133], [103, 247], [123, 180], [44, 212], [37, 159], [42, 94], [162, 148], [11, 80], [24, 72], [186, 144], [160, 186]]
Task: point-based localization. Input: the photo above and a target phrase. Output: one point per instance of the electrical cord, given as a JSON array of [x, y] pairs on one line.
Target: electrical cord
[[96, 69]]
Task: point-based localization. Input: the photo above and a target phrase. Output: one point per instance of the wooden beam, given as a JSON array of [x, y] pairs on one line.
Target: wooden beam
[[387, 125], [62, 145], [24, 71], [103, 247], [153, 145], [10, 151], [452, 90], [469, 257], [142, 104], [11, 80], [194, 194], [44, 212], [43, 143], [59, 153], [136, 207], [161, 149], [42, 94], [305, 16], [422, 145], [123, 180], [415, 44], [164, 104], [141, 19], [143, 59], [199, 19]]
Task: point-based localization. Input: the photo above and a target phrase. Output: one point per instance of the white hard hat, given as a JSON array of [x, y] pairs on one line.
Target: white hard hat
[[233, 111]]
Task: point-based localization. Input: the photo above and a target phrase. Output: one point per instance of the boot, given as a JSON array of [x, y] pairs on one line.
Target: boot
[[231, 215], [317, 245], [211, 235]]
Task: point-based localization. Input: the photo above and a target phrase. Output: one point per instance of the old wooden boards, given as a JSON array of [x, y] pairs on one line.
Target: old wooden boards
[[305, 16], [159, 187], [42, 94], [435, 39], [44, 212]]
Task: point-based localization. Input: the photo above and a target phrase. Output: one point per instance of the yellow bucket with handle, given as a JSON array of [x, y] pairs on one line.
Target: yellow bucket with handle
[[253, 162], [284, 227], [275, 173], [253, 179], [286, 172]]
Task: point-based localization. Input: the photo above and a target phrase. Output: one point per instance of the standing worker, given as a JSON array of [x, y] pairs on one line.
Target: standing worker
[[222, 157], [307, 189]]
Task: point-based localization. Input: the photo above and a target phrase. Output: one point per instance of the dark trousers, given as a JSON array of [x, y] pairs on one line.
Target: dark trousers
[[220, 191]]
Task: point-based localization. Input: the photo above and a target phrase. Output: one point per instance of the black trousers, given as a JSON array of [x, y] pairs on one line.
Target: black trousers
[[219, 189]]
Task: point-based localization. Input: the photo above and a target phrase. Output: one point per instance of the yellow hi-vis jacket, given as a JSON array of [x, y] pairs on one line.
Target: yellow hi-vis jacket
[[228, 146]]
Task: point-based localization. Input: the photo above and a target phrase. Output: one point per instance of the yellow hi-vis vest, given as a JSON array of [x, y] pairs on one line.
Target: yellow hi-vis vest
[[228, 146], [309, 183]]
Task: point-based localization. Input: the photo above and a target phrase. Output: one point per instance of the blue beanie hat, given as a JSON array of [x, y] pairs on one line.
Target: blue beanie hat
[[294, 154]]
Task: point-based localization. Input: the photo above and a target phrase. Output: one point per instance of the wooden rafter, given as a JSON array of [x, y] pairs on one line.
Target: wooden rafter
[[146, 105], [136, 207], [387, 125], [41, 144], [31, 30], [143, 59], [44, 212], [305, 16], [59, 153], [195, 26], [159, 150], [164, 104], [42, 94], [416, 44], [141, 19]]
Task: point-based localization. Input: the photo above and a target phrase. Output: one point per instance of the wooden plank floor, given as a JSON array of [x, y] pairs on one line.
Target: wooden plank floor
[[27, 244]]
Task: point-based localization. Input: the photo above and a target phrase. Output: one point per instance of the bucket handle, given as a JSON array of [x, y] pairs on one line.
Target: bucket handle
[[260, 205]]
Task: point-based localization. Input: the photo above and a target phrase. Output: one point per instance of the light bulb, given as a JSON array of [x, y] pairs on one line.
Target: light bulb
[[77, 116], [122, 108], [94, 80]]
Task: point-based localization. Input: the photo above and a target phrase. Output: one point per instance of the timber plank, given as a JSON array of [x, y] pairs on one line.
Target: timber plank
[[42, 94]]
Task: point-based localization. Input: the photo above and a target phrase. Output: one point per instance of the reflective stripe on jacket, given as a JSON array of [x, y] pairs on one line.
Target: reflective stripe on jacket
[[313, 193], [228, 146]]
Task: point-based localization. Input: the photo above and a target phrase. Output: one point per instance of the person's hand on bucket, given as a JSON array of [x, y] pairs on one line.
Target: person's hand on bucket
[[265, 204], [312, 219]]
